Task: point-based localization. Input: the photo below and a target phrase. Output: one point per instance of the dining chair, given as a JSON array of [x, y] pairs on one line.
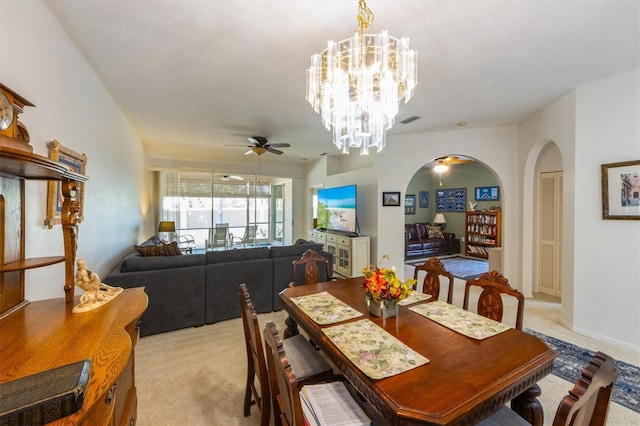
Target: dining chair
[[490, 304], [311, 268], [434, 269], [586, 404], [309, 365], [249, 236], [285, 379]]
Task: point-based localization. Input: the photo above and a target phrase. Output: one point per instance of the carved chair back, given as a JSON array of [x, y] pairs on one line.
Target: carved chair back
[[434, 269], [490, 304], [588, 401], [256, 365], [287, 408], [311, 268]]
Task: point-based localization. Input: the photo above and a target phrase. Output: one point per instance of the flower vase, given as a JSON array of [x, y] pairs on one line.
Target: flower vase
[[384, 309]]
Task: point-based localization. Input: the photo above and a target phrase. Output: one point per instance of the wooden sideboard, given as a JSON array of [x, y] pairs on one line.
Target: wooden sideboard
[[350, 254], [46, 334]]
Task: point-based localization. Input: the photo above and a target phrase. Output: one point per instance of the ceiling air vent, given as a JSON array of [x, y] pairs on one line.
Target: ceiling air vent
[[410, 119]]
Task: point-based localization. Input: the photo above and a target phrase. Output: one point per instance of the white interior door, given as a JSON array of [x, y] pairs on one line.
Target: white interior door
[[550, 238]]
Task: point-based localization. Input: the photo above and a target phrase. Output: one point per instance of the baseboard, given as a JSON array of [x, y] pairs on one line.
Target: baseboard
[[605, 339]]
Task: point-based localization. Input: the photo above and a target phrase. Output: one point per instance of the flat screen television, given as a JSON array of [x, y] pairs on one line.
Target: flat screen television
[[337, 208]]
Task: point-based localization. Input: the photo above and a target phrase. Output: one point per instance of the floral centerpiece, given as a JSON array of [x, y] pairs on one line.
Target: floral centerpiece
[[384, 289]]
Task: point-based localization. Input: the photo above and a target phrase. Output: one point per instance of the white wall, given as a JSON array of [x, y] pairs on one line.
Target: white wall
[[607, 252], [72, 106], [595, 124]]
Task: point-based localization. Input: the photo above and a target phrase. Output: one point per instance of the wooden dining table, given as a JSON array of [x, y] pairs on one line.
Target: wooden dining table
[[465, 379]]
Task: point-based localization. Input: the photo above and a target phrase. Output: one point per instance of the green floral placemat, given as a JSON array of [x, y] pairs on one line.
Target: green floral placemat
[[374, 351], [324, 308], [414, 297], [457, 319]]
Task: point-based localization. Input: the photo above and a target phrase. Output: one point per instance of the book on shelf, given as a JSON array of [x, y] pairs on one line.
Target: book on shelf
[[331, 404]]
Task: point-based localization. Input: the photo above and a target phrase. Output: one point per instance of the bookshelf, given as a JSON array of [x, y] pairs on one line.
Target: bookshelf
[[483, 232]]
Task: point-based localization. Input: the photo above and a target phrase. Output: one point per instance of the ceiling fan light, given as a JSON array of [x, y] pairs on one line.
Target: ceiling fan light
[[440, 168]]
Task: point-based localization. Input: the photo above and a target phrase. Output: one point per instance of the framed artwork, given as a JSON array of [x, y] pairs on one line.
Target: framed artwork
[[487, 193], [423, 200], [410, 204], [391, 199], [621, 190], [451, 200], [76, 163]]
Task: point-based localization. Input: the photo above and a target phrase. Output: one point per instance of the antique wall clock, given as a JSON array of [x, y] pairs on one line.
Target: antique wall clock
[[11, 105]]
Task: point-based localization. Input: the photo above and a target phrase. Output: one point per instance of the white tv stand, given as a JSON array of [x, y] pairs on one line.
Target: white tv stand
[[350, 254]]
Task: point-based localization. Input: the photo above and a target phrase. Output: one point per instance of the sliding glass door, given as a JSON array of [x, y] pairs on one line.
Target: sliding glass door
[[200, 202]]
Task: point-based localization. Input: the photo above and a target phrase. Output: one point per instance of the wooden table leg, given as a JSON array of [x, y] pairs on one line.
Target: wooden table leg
[[528, 407], [292, 327]]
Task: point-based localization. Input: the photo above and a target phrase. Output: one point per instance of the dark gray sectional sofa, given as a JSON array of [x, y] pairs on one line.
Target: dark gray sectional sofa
[[196, 289]]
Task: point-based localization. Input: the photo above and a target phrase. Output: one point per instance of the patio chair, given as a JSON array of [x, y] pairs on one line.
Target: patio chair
[[249, 237], [219, 237]]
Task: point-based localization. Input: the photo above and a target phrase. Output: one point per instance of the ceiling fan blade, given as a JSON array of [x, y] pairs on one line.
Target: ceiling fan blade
[[274, 151], [279, 145], [249, 152]]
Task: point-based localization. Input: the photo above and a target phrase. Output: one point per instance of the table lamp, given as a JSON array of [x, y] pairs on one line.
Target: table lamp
[[440, 220], [167, 227]]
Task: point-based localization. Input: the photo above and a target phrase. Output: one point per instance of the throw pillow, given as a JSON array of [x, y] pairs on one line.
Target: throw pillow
[[170, 249], [434, 232]]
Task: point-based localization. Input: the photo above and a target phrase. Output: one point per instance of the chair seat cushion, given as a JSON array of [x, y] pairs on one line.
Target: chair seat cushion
[[304, 359], [505, 416]]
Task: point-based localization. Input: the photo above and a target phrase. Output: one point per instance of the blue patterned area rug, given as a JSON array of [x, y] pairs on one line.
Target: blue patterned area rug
[[461, 267], [572, 359]]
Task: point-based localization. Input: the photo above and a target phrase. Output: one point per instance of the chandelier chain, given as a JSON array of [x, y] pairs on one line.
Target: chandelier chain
[[365, 17]]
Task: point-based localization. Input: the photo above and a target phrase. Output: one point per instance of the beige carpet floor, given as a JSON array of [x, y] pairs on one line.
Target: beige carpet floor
[[196, 376]]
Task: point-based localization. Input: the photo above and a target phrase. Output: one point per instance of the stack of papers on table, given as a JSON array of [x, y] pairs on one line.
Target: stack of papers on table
[[331, 404]]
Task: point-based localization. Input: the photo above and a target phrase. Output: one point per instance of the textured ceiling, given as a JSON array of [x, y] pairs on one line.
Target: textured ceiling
[[195, 75]]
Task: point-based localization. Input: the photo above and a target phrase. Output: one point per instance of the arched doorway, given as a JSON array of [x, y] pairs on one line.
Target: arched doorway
[[547, 248], [468, 175]]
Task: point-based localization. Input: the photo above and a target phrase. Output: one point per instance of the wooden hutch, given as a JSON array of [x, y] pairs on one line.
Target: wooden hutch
[[41, 336]]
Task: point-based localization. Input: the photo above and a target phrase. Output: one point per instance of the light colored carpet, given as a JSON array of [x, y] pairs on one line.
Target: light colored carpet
[[196, 376]]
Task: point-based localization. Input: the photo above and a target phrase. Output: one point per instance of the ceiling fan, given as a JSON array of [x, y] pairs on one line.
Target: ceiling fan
[[227, 178], [442, 164], [260, 145]]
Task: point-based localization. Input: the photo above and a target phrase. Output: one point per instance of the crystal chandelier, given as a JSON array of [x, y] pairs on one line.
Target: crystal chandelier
[[356, 84]]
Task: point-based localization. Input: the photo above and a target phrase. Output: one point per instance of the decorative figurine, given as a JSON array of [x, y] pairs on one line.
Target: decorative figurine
[[96, 293]]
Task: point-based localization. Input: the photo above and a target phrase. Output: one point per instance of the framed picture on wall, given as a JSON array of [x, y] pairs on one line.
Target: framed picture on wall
[[621, 190], [410, 204], [391, 199], [423, 200], [76, 163], [487, 193], [451, 200]]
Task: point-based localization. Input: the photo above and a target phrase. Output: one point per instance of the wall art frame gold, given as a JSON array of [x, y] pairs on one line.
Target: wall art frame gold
[[621, 190], [78, 164]]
